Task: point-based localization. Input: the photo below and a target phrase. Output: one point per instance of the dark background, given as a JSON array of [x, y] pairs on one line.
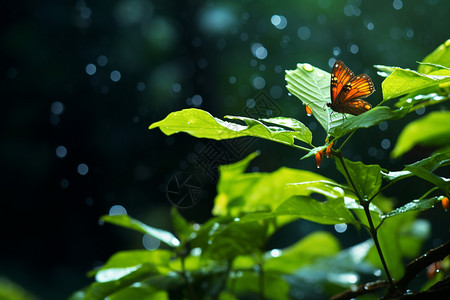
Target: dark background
[[171, 55]]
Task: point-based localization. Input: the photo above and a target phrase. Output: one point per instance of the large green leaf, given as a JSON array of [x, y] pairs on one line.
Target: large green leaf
[[332, 211], [312, 86], [128, 222], [272, 285], [440, 56], [430, 164], [432, 130], [236, 238], [240, 192], [124, 262], [367, 119], [306, 251], [442, 182], [405, 81], [365, 178], [415, 205], [343, 269], [201, 124], [101, 290]]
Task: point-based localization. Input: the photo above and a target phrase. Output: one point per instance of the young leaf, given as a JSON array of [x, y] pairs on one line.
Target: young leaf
[[404, 81], [128, 222], [432, 130], [440, 56], [370, 118], [306, 251], [312, 86], [365, 178], [332, 211], [182, 228], [201, 124], [235, 238], [342, 269], [415, 205]]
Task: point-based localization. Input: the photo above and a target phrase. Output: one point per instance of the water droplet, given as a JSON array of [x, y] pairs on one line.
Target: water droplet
[[308, 67]]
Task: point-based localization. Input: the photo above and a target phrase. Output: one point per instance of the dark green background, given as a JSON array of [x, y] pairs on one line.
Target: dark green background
[[50, 231]]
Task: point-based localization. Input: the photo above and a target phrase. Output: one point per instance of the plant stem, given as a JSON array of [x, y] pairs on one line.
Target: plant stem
[[188, 283], [373, 233], [261, 282]]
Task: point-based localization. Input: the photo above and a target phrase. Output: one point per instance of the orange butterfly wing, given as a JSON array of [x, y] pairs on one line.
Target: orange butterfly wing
[[347, 89]]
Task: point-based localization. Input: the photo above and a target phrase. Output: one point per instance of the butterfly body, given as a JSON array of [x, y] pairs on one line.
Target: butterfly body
[[347, 90]]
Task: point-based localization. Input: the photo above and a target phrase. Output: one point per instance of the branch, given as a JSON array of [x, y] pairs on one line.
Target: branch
[[412, 269]]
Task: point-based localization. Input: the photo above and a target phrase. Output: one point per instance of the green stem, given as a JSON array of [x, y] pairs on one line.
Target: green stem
[[373, 231], [346, 140], [261, 282], [188, 283]]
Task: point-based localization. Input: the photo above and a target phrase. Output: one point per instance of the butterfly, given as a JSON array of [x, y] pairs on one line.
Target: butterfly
[[348, 89]]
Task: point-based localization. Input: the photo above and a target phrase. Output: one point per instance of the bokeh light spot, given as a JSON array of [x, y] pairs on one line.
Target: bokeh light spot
[[117, 210], [397, 4], [61, 151], [102, 60], [304, 33], [149, 242], [385, 144], [91, 69], [57, 108], [340, 228], [115, 75], [280, 22], [258, 82], [82, 169]]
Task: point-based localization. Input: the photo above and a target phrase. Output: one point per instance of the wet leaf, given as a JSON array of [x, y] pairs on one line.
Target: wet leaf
[[432, 130], [201, 124], [128, 222]]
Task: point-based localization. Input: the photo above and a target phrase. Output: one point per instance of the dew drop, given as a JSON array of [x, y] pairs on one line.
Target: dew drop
[[308, 67]]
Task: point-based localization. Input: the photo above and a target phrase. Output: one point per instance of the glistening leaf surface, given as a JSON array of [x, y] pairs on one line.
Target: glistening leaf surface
[[201, 124]]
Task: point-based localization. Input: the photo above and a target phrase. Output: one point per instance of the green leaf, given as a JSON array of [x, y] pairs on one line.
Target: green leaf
[[182, 228], [100, 290], [312, 86], [128, 222], [332, 211], [368, 119], [431, 163], [432, 130], [440, 56], [201, 124], [249, 281], [415, 205], [342, 269], [141, 291], [252, 192], [366, 178], [385, 71], [306, 251], [11, 291], [123, 262], [305, 133], [422, 98], [441, 182], [404, 81], [236, 238]]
